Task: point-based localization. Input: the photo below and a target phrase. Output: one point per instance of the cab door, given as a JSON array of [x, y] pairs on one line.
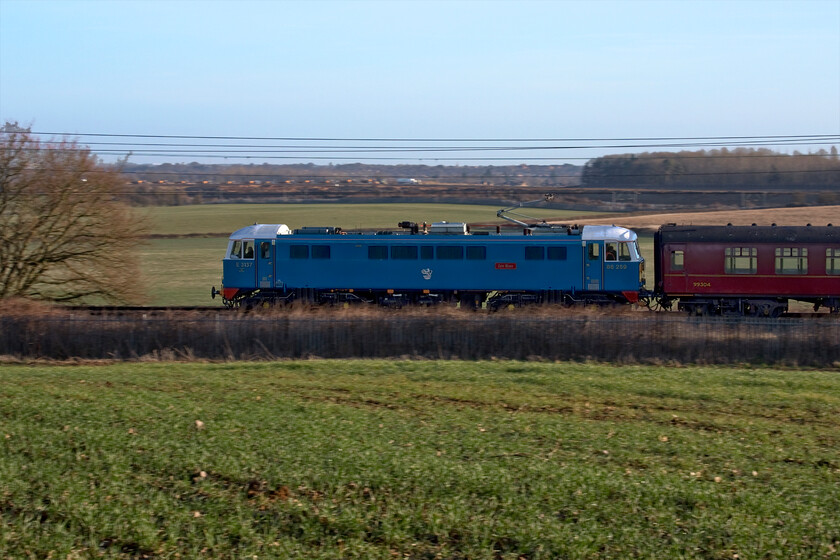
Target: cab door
[[593, 266], [265, 264]]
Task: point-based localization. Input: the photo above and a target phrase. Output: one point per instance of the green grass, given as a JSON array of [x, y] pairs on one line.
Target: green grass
[[182, 271], [381, 459], [226, 218]]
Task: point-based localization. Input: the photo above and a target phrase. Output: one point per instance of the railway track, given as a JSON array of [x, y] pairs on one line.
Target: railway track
[[117, 310]]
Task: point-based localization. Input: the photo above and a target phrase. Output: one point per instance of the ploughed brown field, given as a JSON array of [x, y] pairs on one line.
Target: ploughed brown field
[[800, 216]]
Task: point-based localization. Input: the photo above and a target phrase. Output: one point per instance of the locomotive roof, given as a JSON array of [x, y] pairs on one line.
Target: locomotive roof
[[268, 231], [264, 231], [754, 234], [608, 232]]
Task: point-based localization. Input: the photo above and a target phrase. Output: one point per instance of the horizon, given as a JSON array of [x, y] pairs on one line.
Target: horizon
[[427, 82]]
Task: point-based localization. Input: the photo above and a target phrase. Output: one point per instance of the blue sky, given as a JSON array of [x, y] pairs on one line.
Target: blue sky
[[380, 69]]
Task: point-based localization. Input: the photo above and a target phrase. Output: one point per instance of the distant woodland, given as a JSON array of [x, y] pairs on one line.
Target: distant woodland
[[724, 169]]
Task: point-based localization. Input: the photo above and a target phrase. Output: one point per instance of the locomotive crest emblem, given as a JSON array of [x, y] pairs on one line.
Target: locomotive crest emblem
[[427, 273]]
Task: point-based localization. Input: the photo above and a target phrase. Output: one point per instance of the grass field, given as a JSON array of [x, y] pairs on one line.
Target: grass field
[[226, 218], [181, 271], [381, 459]]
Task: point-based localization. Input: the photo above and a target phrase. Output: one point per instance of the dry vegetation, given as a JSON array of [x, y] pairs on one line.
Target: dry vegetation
[[532, 334], [816, 215]]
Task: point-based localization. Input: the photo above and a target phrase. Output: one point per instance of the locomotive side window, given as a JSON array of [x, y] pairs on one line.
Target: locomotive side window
[[556, 253], [624, 253], [236, 250], [832, 261], [741, 260], [404, 253], [610, 252], [320, 251], [298, 251], [265, 249], [534, 253], [378, 252], [791, 260], [677, 260], [594, 252], [450, 253], [427, 252], [476, 253]]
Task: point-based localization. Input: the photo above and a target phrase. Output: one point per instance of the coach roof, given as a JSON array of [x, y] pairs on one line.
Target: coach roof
[[752, 234]]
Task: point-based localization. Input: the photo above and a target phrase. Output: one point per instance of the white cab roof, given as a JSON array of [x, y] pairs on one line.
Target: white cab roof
[[592, 233], [261, 231]]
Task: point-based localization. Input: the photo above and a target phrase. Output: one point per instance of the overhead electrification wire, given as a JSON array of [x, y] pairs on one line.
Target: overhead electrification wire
[[409, 149], [212, 148], [339, 139]]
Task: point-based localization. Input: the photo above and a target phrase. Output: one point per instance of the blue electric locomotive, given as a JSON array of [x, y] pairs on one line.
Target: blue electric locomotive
[[267, 264]]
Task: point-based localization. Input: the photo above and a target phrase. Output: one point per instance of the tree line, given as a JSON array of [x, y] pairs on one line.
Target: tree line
[[741, 168]]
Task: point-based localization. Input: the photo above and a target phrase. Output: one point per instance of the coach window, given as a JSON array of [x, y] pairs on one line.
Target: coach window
[[378, 252], [791, 260], [236, 250], [320, 251], [832, 261], [427, 252], [299, 251], [404, 252], [740, 260], [450, 253], [534, 253], [556, 253], [611, 252], [677, 260]]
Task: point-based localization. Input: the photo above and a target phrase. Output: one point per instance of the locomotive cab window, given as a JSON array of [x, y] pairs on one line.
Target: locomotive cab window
[[791, 260], [248, 249], [741, 260], [594, 252], [832, 261], [610, 253], [265, 249], [624, 252], [235, 250], [677, 260]]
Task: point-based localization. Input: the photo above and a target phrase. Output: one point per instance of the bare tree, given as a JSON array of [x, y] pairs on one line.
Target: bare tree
[[64, 234]]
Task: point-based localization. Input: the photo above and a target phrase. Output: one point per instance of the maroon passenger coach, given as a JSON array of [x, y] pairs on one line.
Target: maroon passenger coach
[[747, 270]]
